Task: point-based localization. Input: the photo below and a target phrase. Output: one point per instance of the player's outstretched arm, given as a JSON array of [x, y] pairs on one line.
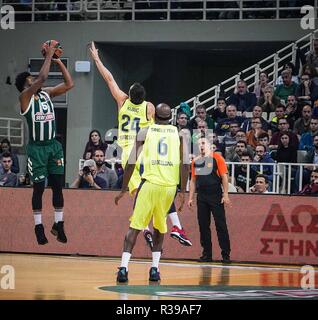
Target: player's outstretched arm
[[26, 94], [116, 92], [151, 110], [61, 88]]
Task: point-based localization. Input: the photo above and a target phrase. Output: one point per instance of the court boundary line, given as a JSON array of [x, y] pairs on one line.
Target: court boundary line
[[175, 263]]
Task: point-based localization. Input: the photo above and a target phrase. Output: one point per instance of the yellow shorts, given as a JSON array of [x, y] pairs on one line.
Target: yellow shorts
[[154, 201], [135, 179]]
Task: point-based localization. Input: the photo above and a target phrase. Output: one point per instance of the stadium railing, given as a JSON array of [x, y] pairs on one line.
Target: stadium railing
[[272, 65], [70, 10], [284, 174]]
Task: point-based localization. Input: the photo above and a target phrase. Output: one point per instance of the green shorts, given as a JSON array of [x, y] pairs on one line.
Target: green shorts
[[45, 158]]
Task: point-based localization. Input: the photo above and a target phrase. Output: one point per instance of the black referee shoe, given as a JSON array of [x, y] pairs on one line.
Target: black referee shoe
[[40, 235], [58, 231]]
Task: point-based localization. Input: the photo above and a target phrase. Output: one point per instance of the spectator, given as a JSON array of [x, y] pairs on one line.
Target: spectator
[[302, 124], [289, 66], [200, 132], [311, 71], [287, 88], [241, 174], [95, 142], [240, 136], [261, 156], [279, 114], [286, 151], [5, 146], [88, 178], [312, 188], [261, 184], [292, 110], [262, 83], [230, 137], [242, 99], [103, 171], [234, 154], [219, 147], [182, 121], [201, 115], [268, 101], [223, 125], [7, 178], [307, 91], [307, 138], [312, 57], [253, 134], [257, 113], [24, 180], [263, 139], [283, 127], [219, 112], [310, 158]]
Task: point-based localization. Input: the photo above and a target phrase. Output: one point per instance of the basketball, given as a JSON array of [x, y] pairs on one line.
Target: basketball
[[58, 50]]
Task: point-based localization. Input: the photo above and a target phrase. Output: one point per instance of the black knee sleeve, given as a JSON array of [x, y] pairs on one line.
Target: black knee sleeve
[[56, 183], [38, 189], [172, 208]]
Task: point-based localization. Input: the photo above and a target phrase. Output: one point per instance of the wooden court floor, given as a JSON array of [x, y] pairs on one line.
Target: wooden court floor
[[73, 277]]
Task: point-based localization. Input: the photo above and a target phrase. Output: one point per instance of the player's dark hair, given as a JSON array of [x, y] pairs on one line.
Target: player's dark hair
[[20, 80], [137, 93]]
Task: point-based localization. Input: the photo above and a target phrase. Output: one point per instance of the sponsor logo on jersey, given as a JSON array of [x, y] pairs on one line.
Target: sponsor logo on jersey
[[41, 117]]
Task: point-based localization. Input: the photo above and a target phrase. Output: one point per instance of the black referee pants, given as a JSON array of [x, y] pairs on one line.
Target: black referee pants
[[204, 218]]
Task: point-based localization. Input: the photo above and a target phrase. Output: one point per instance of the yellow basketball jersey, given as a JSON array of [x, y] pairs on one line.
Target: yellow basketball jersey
[[131, 118], [161, 155]]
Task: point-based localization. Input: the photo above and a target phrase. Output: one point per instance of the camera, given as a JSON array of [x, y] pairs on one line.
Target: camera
[[86, 170]]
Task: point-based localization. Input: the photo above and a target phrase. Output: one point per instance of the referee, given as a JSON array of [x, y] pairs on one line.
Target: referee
[[209, 175]]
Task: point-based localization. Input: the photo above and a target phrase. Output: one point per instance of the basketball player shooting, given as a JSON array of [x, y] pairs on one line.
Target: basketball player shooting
[[45, 153]]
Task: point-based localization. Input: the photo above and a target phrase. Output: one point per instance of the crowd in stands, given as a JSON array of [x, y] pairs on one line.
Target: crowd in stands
[[56, 9], [269, 124], [263, 126]]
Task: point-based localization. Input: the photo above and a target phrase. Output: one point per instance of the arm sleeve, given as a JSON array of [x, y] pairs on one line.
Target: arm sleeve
[[222, 167]]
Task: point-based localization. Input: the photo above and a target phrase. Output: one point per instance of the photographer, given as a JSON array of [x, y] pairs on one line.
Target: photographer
[[88, 178]]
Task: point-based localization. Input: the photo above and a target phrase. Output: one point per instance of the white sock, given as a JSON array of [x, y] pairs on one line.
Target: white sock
[[37, 217], [175, 219], [155, 259], [58, 216], [125, 259]]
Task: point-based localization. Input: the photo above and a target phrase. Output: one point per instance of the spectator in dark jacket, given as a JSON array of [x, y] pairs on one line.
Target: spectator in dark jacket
[[243, 99], [307, 91], [286, 152], [223, 125]]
